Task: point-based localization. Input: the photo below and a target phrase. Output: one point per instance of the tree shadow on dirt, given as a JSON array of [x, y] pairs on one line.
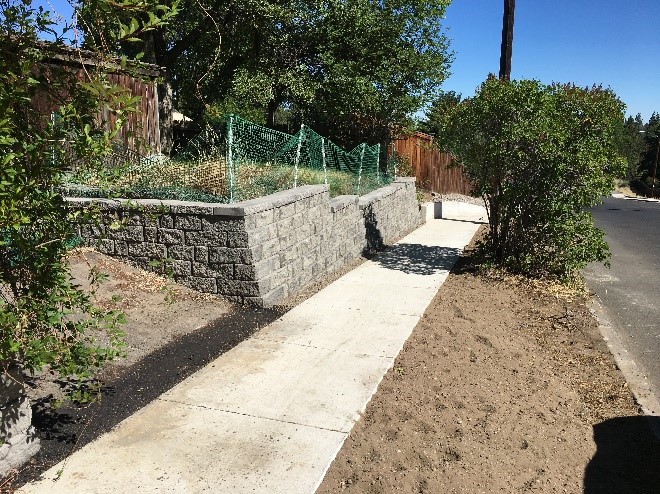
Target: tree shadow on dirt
[[52, 425], [418, 259], [627, 458]]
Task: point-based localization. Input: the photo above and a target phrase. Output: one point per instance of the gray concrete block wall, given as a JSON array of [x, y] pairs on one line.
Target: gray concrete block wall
[[258, 251]]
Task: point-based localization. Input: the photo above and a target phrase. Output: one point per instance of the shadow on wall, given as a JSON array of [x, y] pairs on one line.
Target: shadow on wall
[[627, 458], [418, 259], [374, 238]]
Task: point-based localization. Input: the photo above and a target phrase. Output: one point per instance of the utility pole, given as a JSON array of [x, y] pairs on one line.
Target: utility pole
[[655, 167], [507, 39]]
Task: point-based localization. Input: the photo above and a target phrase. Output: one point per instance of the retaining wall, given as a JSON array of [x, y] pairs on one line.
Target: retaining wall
[[258, 251]]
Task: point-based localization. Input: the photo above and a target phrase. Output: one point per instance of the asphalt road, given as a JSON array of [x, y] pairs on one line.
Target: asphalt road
[[630, 290]]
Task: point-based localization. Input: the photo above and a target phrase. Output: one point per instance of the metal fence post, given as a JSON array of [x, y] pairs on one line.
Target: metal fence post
[[300, 140], [230, 156]]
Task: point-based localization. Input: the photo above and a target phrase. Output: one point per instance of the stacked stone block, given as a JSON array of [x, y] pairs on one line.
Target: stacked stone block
[[258, 251]]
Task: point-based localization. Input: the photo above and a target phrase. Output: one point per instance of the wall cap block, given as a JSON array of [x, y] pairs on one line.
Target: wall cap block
[[341, 202]]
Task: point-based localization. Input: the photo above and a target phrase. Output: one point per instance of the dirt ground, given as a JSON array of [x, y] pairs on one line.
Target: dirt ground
[[171, 331], [501, 388], [624, 188], [157, 311]]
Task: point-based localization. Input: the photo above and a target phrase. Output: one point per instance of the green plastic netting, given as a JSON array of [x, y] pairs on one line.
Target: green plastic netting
[[231, 161]]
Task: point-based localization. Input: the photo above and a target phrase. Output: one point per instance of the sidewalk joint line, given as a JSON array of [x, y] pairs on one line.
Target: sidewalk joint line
[[284, 342], [206, 407]]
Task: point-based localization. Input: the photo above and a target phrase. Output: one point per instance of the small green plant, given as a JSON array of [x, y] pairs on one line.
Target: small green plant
[[401, 165]]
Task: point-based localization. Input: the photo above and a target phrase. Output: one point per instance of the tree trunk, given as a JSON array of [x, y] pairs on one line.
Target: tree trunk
[[273, 105], [165, 116], [155, 52]]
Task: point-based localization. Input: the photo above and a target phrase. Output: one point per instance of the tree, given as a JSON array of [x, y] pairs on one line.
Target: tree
[[348, 68], [45, 320], [379, 64], [438, 116], [540, 156], [651, 138], [631, 144]]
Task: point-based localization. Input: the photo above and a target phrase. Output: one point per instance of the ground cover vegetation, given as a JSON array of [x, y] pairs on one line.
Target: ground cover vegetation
[[233, 160], [348, 69], [540, 156], [207, 181], [46, 321]]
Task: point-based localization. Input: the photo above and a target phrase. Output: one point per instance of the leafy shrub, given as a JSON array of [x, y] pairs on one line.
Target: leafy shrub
[[540, 156], [401, 165], [46, 321]]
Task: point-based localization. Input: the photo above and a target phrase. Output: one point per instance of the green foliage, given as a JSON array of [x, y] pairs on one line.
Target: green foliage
[[540, 156], [379, 63], [401, 165], [124, 23], [346, 68], [630, 140], [651, 144], [638, 142], [438, 116], [46, 321]]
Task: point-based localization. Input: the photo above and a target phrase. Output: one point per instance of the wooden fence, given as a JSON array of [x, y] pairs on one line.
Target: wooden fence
[[431, 167], [142, 129]]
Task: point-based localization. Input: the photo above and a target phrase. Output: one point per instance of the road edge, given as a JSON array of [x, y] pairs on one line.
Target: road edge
[[637, 382]]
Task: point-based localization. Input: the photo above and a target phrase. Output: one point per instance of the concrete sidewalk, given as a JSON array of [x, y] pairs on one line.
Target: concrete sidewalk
[[270, 415]]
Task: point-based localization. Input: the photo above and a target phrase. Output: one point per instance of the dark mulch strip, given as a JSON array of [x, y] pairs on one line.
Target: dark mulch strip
[[66, 429]]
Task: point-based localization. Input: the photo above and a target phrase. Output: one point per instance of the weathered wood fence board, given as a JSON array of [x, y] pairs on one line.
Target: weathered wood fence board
[[141, 131], [431, 167]]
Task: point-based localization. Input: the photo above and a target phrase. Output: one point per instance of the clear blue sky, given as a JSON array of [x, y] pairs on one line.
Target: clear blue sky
[[611, 42]]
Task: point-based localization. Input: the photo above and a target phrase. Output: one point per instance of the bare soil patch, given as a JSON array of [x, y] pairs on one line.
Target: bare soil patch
[[501, 388]]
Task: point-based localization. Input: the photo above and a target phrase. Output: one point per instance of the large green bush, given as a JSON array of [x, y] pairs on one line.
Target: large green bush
[[540, 156]]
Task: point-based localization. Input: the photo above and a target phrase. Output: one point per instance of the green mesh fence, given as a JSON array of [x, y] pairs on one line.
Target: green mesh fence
[[231, 161]]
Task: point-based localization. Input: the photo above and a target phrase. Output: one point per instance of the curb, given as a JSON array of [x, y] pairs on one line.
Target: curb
[[634, 198], [637, 381]]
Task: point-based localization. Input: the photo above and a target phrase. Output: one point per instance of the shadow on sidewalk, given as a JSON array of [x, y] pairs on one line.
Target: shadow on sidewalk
[[627, 458], [418, 259]]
